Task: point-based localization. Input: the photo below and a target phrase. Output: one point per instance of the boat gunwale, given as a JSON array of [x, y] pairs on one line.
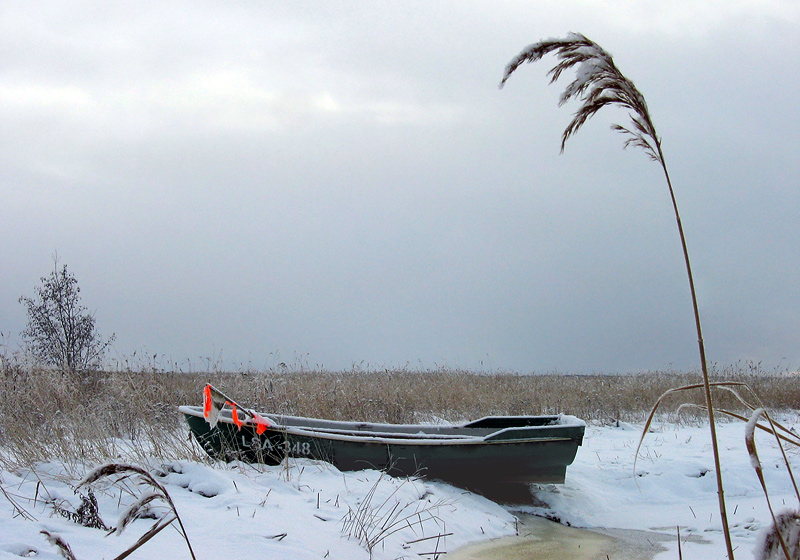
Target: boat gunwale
[[400, 438]]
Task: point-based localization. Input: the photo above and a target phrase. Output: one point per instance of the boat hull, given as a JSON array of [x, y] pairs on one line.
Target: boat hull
[[504, 450]]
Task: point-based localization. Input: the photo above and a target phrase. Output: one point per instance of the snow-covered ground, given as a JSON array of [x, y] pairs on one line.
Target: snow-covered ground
[[674, 486], [305, 509]]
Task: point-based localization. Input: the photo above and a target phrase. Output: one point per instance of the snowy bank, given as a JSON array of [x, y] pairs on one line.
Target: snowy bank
[[306, 509], [673, 486], [301, 510]]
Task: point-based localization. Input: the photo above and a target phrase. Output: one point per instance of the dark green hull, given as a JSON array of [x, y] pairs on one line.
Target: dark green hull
[[489, 452]]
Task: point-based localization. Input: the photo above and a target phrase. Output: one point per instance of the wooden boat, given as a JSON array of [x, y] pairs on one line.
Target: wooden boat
[[478, 455]]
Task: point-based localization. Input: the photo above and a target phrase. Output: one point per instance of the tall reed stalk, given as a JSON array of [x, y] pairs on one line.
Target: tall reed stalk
[[599, 83]]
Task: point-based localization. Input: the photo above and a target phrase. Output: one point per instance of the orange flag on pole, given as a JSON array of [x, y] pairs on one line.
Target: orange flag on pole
[[235, 414], [207, 401], [261, 423]]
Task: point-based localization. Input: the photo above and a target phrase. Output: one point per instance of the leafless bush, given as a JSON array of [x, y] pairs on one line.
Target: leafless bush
[[87, 514], [61, 332]]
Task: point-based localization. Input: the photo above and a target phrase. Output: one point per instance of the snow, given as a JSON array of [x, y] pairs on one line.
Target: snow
[[673, 486], [306, 509], [294, 510]]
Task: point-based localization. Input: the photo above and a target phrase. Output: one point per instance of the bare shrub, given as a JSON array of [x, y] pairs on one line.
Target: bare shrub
[[61, 332], [86, 515]]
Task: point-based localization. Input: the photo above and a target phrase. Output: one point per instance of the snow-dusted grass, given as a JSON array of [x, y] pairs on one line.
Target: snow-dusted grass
[[299, 511], [46, 415], [54, 428], [303, 509]]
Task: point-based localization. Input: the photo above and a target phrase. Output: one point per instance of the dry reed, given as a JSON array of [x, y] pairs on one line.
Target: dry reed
[[46, 415], [599, 83]]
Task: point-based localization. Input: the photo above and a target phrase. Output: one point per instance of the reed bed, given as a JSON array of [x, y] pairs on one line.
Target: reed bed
[[50, 415]]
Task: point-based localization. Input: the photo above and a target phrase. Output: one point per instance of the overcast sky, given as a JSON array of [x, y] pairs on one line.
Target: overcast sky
[[340, 183]]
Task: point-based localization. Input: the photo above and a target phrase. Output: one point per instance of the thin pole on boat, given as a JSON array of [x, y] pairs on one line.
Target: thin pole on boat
[[213, 396]]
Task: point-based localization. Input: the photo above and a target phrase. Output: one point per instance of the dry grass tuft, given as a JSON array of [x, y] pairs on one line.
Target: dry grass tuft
[[118, 473], [371, 522], [47, 415]]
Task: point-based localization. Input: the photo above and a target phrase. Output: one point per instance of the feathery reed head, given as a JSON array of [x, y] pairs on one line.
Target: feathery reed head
[[598, 82], [63, 546], [111, 469]]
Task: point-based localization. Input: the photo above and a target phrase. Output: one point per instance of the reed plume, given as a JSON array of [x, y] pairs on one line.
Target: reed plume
[[599, 83]]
